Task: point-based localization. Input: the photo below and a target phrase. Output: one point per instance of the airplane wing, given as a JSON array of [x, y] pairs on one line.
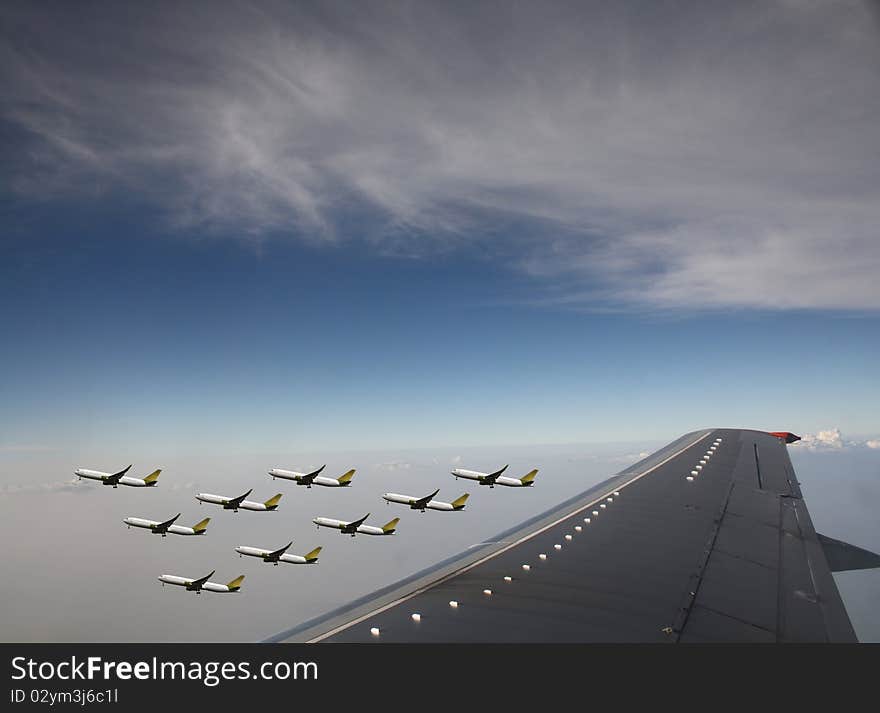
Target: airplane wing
[[309, 477], [492, 477], [421, 502], [235, 502], [165, 525], [278, 553], [729, 555], [116, 476], [358, 523], [199, 582]]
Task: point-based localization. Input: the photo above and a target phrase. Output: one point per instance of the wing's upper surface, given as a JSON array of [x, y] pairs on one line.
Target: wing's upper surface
[[730, 555]]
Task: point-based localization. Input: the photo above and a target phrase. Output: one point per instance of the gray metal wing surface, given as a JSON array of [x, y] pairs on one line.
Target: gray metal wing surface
[[706, 540]]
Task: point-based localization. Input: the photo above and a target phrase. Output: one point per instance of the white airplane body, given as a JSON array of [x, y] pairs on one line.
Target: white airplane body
[[427, 502], [197, 585], [239, 502], [276, 556], [313, 478], [162, 528], [357, 526], [493, 479], [119, 478]]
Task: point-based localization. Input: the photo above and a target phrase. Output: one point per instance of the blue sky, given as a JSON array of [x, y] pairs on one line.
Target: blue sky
[[133, 336], [288, 227]]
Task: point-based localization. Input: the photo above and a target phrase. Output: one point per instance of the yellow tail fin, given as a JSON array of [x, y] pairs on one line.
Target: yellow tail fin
[[313, 555], [529, 477], [235, 584], [459, 502], [389, 527], [153, 477], [346, 477], [273, 501], [202, 526]]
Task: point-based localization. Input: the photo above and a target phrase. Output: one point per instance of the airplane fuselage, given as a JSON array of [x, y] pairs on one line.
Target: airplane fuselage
[[265, 555], [107, 478], [304, 479], [347, 528], [415, 504], [230, 504], [487, 479], [193, 586], [153, 526]]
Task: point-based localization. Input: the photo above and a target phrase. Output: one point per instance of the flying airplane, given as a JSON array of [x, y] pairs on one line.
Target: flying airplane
[[308, 479], [706, 540], [119, 478], [197, 585], [491, 479], [235, 503], [276, 556], [162, 528], [357, 526], [427, 501]]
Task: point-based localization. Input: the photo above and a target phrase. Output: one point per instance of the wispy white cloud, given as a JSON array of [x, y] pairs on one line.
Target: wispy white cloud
[[874, 443], [394, 465], [715, 156], [74, 485], [62, 486], [629, 457]]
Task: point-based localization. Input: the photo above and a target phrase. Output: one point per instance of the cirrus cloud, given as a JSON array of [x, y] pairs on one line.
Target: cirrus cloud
[[714, 156]]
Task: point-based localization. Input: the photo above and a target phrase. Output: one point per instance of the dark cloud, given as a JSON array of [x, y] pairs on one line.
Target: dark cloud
[[700, 154]]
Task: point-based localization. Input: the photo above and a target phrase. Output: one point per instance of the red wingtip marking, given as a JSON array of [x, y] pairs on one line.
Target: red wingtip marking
[[786, 436]]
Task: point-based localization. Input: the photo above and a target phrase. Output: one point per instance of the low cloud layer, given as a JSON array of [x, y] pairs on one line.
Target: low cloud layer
[[832, 440], [74, 485], [700, 155], [630, 457], [393, 465], [60, 486]]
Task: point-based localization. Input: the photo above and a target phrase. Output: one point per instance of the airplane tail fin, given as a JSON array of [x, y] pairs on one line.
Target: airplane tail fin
[[529, 477], [235, 584], [345, 478], [313, 555], [389, 527], [458, 503], [273, 501], [201, 526], [153, 477]]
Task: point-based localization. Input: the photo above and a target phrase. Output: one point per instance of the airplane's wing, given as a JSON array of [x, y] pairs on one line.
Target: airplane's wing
[[117, 476], [235, 502], [168, 523], [279, 552], [493, 476], [309, 477], [201, 580], [421, 502], [358, 523], [729, 555]]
